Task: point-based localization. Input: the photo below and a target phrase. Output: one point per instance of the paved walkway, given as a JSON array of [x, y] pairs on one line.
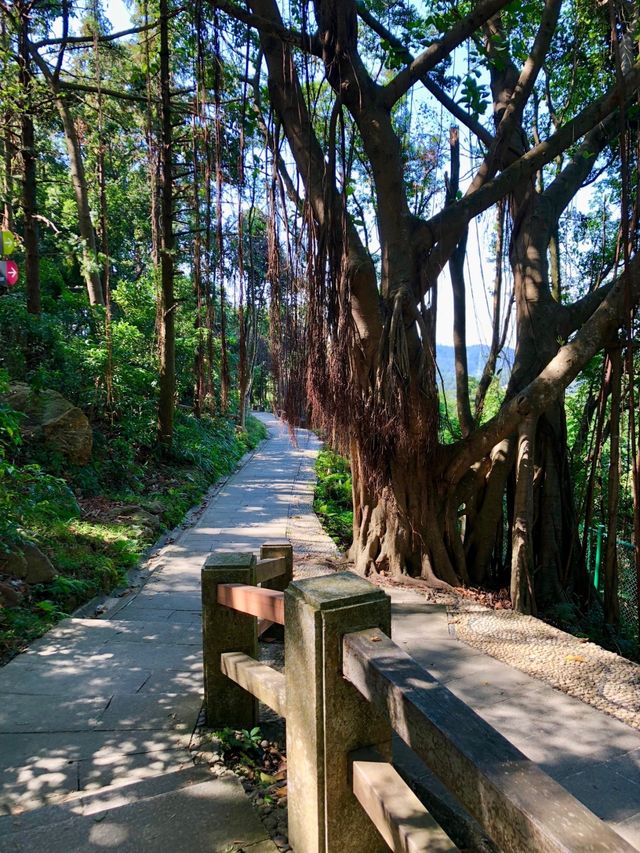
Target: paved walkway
[[596, 757], [98, 702]]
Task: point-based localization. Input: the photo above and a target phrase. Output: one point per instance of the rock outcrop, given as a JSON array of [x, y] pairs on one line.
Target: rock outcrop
[[53, 419], [28, 563]]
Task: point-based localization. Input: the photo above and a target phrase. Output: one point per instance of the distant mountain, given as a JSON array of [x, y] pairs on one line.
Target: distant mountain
[[476, 358]]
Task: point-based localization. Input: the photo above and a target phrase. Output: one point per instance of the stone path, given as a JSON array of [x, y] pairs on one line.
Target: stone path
[[96, 718], [596, 757], [575, 666], [114, 701]]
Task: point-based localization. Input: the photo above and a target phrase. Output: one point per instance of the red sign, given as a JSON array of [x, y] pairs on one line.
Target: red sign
[[9, 273], [12, 273]]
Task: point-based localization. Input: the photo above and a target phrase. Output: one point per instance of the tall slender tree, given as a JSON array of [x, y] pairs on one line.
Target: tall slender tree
[[29, 161], [167, 333]]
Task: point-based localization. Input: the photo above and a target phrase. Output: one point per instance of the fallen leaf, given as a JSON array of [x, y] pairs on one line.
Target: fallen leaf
[[266, 778], [375, 639], [575, 659]]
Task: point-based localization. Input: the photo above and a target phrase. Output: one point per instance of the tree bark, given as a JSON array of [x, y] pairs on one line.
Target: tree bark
[[167, 342], [522, 565], [611, 606], [29, 165]]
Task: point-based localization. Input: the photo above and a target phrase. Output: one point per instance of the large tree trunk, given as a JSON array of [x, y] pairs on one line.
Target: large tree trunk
[[543, 548], [522, 558], [401, 526], [371, 338]]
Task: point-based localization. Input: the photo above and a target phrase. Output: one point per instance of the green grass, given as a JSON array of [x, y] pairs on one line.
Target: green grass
[[333, 499], [92, 554]]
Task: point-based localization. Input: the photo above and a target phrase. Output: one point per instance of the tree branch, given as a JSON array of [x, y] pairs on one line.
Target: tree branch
[[289, 104], [308, 43], [440, 49], [526, 166], [561, 190], [571, 317], [448, 103], [64, 40], [547, 387], [93, 90], [107, 37], [503, 149]]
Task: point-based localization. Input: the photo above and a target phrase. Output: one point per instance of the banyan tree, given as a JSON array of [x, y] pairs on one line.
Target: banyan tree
[[563, 81]]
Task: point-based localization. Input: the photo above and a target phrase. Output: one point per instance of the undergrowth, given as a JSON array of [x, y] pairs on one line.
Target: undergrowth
[[72, 513], [333, 499]]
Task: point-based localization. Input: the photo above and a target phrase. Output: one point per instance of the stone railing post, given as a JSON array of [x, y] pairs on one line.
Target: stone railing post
[[326, 716], [225, 630], [278, 548]]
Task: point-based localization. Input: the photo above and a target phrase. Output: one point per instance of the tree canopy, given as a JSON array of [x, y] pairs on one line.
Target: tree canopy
[[264, 201]]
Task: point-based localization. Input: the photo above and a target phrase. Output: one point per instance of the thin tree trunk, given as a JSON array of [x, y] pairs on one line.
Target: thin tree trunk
[[90, 268], [456, 270], [8, 144], [225, 379], [8, 153], [29, 163], [611, 606], [243, 376], [104, 218], [522, 594], [199, 361], [166, 403], [153, 166], [209, 291], [497, 339]]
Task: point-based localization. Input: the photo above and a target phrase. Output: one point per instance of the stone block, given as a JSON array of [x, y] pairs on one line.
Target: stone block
[[226, 630], [326, 716], [278, 548]]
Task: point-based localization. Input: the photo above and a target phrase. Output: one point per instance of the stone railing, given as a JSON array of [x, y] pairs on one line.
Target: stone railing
[[346, 688]]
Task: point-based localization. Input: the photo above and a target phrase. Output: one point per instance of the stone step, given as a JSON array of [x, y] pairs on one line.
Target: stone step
[[186, 811]]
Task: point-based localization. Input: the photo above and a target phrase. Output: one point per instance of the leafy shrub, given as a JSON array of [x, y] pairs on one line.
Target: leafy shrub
[[333, 497]]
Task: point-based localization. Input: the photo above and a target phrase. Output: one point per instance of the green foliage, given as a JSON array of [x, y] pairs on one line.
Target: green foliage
[[589, 624], [239, 745], [92, 556], [333, 501], [28, 496]]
